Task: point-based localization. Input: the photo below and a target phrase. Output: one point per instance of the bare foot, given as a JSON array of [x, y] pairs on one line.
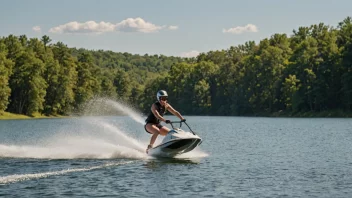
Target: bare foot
[[149, 147]]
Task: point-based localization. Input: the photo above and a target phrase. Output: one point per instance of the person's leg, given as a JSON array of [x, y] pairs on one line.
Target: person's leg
[[153, 129], [156, 129], [163, 130]]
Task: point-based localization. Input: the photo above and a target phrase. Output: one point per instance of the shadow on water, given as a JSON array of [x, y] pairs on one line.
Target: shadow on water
[[158, 162]]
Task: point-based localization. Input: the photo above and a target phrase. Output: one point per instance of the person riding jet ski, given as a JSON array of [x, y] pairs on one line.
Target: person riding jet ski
[[155, 116]]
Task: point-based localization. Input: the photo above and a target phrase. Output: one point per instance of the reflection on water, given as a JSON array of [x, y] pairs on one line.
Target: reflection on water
[[158, 162]]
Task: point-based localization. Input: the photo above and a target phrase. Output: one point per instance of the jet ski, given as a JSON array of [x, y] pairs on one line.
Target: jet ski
[[176, 142]]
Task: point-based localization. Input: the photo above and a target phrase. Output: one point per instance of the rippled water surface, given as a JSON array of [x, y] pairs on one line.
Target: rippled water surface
[[239, 157]]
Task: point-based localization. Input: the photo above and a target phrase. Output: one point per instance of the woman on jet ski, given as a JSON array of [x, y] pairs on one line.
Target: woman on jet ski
[[158, 110]]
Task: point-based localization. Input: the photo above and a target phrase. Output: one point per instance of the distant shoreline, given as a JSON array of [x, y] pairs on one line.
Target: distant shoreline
[[13, 116], [323, 114], [310, 114]]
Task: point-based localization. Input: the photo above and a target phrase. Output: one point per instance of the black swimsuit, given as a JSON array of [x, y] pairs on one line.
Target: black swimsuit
[[151, 117]]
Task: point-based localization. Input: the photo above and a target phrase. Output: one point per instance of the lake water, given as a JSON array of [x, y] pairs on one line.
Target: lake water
[[239, 157]]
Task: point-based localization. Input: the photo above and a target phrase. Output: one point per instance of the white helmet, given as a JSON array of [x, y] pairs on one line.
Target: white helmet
[[161, 93]]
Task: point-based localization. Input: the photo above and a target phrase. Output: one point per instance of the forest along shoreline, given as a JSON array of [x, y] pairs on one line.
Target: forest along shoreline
[[326, 114], [305, 74]]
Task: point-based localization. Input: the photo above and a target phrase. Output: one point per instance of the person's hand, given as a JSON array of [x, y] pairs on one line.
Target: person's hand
[[183, 120], [167, 121]]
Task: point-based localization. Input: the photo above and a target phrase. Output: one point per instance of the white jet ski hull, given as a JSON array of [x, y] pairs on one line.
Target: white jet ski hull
[[176, 142]]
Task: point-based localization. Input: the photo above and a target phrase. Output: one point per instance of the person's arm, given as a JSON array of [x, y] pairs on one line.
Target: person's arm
[[173, 111], [156, 113]]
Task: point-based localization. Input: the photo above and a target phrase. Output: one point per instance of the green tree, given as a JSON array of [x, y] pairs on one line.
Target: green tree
[[67, 78], [345, 44], [27, 85], [107, 85], [122, 82], [289, 89], [5, 72], [14, 47], [46, 40], [179, 86], [87, 85], [273, 60], [204, 84]]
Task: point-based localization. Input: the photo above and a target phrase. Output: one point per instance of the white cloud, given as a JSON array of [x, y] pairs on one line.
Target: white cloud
[[173, 27], [241, 29], [190, 54], [87, 27], [92, 27], [137, 25], [37, 28]]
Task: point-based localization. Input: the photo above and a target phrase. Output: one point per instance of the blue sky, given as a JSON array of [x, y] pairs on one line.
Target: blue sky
[[172, 28]]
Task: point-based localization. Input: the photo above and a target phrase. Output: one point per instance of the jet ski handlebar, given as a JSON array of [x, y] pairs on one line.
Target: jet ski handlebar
[[173, 122]]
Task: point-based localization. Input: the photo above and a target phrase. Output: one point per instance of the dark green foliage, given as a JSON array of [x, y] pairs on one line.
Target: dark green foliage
[[310, 71], [5, 72]]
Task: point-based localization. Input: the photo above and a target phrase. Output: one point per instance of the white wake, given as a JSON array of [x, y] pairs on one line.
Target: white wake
[[22, 177]]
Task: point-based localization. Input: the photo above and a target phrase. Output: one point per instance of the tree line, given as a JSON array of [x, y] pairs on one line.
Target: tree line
[[309, 71], [52, 79]]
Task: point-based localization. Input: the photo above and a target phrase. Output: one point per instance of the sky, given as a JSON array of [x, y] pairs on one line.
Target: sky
[[169, 27]]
